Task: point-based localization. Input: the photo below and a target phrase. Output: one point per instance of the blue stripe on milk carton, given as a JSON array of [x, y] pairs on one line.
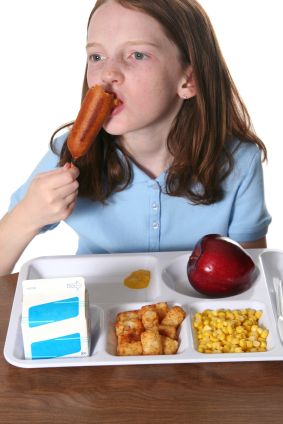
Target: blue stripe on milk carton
[[48, 313], [59, 346]]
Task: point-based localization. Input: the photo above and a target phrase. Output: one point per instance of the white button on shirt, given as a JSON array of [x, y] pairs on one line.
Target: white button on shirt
[[143, 218], [154, 206]]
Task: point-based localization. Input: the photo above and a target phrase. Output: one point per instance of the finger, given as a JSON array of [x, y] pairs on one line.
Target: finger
[[67, 165], [74, 171], [71, 198], [70, 207], [67, 190], [58, 177]]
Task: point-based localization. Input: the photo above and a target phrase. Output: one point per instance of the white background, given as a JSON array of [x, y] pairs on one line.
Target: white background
[[42, 65]]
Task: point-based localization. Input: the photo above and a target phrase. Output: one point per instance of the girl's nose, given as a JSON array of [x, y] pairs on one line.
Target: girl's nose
[[112, 73]]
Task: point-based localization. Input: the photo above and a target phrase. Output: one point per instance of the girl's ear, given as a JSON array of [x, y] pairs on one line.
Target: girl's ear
[[187, 86]]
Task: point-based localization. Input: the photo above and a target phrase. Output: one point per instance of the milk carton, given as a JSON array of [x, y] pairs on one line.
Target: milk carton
[[55, 318]]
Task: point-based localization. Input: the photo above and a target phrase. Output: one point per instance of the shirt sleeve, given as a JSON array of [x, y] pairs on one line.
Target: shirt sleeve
[[250, 218], [47, 163]]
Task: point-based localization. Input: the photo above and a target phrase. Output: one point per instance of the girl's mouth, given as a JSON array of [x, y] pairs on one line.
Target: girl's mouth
[[118, 106]]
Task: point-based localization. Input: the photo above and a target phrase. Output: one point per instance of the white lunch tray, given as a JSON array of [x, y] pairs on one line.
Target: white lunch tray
[[104, 275]]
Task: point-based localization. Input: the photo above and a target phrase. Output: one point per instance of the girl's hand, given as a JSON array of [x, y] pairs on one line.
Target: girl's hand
[[51, 196]]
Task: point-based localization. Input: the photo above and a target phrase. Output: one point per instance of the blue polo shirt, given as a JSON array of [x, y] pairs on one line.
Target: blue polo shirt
[[143, 218]]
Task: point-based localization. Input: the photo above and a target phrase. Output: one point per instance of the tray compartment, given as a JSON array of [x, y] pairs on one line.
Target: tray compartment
[[111, 339], [264, 321], [175, 277], [96, 316], [272, 264], [95, 324], [18, 348], [104, 275]]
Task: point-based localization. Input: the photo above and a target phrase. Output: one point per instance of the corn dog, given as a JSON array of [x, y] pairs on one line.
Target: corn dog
[[96, 107]]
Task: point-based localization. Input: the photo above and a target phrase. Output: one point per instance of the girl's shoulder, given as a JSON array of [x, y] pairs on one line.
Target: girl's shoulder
[[244, 153], [47, 163], [51, 159], [57, 142]]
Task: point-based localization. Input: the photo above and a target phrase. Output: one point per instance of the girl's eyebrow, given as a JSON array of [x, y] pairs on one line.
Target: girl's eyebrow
[[131, 43]]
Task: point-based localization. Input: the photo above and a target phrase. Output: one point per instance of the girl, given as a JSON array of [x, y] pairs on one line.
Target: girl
[[175, 161]]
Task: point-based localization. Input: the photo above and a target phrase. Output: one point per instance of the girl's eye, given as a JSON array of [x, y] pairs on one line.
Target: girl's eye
[[95, 57], [139, 55]]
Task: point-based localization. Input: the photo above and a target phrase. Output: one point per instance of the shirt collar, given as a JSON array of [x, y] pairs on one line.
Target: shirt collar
[[139, 176]]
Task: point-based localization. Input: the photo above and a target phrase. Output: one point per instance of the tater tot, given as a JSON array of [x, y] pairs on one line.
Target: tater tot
[[145, 309], [168, 330], [162, 309], [125, 316], [169, 345], [132, 325], [129, 347], [174, 316], [151, 343], [150, 320]]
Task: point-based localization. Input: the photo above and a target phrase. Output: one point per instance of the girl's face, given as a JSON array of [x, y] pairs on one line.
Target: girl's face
[[130, 55]]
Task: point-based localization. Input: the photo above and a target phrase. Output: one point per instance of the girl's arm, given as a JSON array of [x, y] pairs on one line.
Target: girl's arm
[[50, 198], [256, 244]]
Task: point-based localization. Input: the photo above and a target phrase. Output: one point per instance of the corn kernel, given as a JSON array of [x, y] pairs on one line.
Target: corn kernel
[[230, 330], [243, 344], [249, 344], [264, 334], [258, 314]]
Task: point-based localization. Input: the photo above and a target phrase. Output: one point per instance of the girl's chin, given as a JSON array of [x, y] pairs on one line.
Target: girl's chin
[[114, 134], [115, 129]]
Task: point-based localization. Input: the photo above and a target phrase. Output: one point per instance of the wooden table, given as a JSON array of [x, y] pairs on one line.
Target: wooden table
[[246, 392]]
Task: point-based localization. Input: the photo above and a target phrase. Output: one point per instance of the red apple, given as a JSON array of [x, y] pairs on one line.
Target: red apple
[[218, 266]]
